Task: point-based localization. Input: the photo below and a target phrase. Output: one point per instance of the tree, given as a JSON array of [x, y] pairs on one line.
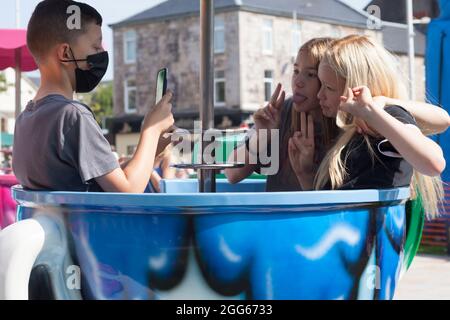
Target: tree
[[100, 100], [3, 83]]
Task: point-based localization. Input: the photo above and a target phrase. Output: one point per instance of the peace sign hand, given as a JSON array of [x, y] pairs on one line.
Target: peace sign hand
[[301, 152], [269, 116]]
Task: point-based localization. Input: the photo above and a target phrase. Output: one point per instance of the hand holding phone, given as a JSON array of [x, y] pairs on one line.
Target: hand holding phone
[[161, 84], [160, 116], [161, 88]]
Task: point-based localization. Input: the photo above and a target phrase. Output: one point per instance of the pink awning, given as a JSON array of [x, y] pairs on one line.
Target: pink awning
[[10, 41]]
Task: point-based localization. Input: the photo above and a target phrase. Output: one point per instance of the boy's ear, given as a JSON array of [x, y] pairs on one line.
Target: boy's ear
[[63, 52]]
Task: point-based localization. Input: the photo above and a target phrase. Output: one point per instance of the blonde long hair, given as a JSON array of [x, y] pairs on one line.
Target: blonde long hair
[[361, 61]]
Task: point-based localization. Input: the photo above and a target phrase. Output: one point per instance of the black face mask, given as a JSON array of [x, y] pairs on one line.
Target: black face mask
[[87, 80]]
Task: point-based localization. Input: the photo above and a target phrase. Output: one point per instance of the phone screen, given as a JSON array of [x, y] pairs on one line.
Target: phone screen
[[161, 84]]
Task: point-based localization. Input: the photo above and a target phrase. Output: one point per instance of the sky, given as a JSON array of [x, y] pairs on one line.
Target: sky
[[111, 10]]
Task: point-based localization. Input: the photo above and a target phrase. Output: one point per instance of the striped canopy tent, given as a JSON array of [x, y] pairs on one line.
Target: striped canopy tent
[[14, 53]]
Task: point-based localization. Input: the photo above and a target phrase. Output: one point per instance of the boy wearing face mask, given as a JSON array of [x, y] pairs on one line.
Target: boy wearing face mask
[[58, 145]]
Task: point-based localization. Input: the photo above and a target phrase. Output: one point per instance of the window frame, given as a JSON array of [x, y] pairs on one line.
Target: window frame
[[218, 80], [219, 28], [127, 90], [269, 81], [266, 31], [130, 36]]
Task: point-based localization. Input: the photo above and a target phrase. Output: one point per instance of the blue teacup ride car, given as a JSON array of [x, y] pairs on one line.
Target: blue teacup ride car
[[238, 243]]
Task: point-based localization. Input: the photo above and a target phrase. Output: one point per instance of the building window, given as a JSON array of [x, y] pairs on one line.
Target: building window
[[130, 96], [130, 46], [268, 85], [219, 35], [267, 36], [296, 38], [219, 89]]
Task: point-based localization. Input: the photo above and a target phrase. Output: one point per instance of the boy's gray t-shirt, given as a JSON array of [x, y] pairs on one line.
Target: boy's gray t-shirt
[[58, 145]]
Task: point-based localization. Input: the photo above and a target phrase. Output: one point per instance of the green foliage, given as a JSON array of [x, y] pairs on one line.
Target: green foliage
[[3, 84], [100, 100], [432, 250]]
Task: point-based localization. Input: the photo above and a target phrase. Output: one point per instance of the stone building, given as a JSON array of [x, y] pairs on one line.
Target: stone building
[[256, 42]]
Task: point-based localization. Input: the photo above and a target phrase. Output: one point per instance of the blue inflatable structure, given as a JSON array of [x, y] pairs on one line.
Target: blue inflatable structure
[[438, 70]]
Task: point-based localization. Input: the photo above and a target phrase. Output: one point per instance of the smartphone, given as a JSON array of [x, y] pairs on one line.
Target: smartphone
[[161, 84], [161, 88]]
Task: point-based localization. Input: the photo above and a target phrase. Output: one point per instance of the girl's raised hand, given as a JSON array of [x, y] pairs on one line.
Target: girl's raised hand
[[269, 116], [357, 102], [301, 147]]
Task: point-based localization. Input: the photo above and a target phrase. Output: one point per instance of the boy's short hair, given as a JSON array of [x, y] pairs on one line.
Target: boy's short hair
[[48, 25]]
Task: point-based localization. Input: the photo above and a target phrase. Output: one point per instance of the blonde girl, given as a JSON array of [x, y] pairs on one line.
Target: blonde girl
[[385, 154]]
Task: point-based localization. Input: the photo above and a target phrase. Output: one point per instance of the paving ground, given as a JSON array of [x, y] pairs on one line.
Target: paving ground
[[428, 278]]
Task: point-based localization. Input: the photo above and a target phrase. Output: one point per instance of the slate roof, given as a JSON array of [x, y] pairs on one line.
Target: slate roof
[[331, 11], [327, 11]]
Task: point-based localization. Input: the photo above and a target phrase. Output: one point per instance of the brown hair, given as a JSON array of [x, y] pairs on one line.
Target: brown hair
[[48, 25], [316, 49]]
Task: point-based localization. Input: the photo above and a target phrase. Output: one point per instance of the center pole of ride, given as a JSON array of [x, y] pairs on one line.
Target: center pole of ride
[[207, 177]]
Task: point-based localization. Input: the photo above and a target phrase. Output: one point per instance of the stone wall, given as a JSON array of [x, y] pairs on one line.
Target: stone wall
[[176, 44]]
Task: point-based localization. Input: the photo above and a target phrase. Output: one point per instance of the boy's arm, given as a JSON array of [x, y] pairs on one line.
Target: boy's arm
[[431, 119], [162, 145], [134, 177], [136, 174]]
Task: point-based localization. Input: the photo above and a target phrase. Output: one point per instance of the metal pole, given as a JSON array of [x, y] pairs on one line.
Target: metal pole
[[18, 68], [18, 82], [411, 49], [207, 178], [17, 14]]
